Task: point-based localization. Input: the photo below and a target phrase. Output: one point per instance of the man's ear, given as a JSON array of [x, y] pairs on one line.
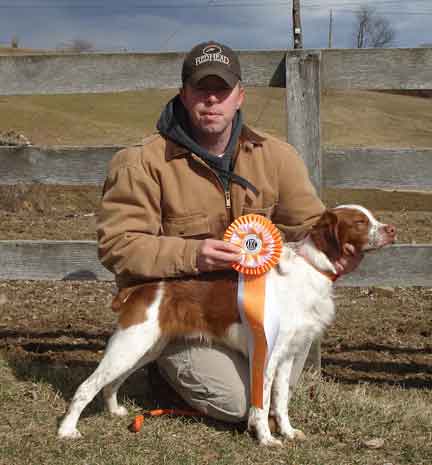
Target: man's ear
[[325, 235], [241, 96]]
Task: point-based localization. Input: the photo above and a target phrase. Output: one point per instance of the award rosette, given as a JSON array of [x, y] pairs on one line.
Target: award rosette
[[261, 247]]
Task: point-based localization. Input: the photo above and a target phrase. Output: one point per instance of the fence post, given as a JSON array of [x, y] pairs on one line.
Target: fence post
[[303, 119]]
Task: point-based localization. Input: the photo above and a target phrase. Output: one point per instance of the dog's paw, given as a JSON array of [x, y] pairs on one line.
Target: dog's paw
[[294, 435], [270, 442], [120, 411], [64, 433]]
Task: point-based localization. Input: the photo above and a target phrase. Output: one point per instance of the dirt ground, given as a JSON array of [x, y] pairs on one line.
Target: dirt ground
[[69, 213], [381, 335]]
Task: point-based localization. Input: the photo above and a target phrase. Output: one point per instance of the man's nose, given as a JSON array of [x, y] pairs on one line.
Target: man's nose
[[211, 96]]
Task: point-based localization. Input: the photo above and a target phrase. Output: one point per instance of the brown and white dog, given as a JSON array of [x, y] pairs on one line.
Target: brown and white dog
[[152, 314]]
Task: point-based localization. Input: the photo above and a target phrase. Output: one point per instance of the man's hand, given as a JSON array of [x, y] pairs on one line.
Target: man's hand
[[216, 255], [349, 261]]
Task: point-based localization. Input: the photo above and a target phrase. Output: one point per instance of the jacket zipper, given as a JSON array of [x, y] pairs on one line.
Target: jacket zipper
[[227, 199], [227, 193]]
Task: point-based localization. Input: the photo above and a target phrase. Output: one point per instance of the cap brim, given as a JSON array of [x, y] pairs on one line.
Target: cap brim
[[230, 78]]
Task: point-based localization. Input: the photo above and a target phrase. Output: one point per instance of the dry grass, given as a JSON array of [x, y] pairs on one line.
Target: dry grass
[[338, 421], [31, 51], [348, 118], [46, 354]]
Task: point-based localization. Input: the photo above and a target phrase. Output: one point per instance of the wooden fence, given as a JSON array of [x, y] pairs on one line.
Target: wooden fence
[[304, 74]]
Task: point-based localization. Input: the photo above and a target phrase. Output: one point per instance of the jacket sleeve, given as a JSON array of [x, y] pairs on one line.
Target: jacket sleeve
[[299, 206], [129, 230]]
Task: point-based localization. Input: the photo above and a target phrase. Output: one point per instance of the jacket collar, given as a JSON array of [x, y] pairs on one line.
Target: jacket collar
[[248, 140]]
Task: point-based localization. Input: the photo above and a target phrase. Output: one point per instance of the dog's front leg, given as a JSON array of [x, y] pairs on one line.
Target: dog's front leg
[[281, 393], [258, 417]]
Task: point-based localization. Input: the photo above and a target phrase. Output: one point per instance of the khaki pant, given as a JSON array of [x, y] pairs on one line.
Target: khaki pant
[[212, 379]]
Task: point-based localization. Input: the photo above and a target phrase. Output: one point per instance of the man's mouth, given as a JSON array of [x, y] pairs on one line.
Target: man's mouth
[[211, 113]]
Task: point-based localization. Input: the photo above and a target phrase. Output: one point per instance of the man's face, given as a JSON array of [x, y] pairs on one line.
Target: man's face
[[211, 104]]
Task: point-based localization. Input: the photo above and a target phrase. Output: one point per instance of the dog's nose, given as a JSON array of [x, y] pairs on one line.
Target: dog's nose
[[390, 229]]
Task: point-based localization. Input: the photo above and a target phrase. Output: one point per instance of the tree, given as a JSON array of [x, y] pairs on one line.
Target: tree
[[15, 42], [371, 29]]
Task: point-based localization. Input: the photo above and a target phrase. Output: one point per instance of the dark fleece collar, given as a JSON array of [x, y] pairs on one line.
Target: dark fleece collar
[[174, 124]]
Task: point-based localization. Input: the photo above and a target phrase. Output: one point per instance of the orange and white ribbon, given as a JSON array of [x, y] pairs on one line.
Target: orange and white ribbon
[[261, 247]]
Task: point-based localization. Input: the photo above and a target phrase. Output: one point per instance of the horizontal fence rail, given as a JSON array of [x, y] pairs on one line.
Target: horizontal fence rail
[[378, 168], [398, 265], [353, 168], [391, 68], [90, 73], [51, 260], [55, 165]]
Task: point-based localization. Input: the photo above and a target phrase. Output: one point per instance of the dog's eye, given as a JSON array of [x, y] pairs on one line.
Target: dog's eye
[[360, 223]]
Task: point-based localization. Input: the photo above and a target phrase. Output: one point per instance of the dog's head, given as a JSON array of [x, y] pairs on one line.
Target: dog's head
[[350, 224]]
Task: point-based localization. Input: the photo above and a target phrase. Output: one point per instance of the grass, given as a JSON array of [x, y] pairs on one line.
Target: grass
[[338, 421], [348, 118]]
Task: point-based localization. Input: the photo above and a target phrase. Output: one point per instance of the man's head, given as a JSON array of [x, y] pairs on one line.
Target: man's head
[[211, 59], [211, 91]]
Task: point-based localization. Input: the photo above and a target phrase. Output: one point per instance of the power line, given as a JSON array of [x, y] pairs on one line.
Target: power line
[[384, 6], [221, 3], [209, 4], [403, 13], [351, 3]]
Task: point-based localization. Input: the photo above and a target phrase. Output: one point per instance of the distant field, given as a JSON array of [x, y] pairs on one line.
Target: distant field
[[357, 118], [29, 51]]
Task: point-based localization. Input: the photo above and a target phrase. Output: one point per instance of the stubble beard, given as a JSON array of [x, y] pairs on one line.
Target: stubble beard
[[214, 131]]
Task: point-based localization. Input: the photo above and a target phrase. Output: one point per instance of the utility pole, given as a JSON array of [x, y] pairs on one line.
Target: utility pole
[[297, 32], [330, 38]]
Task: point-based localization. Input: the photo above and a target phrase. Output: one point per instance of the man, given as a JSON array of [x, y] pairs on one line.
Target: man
[[167, 203]]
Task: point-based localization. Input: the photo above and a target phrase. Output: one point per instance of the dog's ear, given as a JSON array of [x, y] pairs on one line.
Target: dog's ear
[[325, 235]]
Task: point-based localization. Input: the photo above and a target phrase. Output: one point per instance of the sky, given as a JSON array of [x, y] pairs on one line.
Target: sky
[[177, 25]]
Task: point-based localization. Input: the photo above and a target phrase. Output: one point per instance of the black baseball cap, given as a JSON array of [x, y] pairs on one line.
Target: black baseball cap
[[211, 59]]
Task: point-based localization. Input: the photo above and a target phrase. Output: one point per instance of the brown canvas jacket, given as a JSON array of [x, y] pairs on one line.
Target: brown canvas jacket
[[160, 201]]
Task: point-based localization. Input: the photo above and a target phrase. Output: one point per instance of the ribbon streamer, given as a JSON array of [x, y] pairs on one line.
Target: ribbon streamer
[[261, 247]]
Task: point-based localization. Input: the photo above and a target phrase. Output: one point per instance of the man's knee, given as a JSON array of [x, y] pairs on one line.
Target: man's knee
[[232, 406], [212, 380]]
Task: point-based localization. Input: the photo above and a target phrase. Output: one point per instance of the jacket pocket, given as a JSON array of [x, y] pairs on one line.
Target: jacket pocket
[[187, 226], [263, 211]]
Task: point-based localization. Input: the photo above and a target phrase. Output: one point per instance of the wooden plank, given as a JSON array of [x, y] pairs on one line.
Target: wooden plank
[[377, 168], [303, 110], [372, 68], [51, 260], [401, 265], [105, 72], [358, 168], [55, 165], [116, 72]]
